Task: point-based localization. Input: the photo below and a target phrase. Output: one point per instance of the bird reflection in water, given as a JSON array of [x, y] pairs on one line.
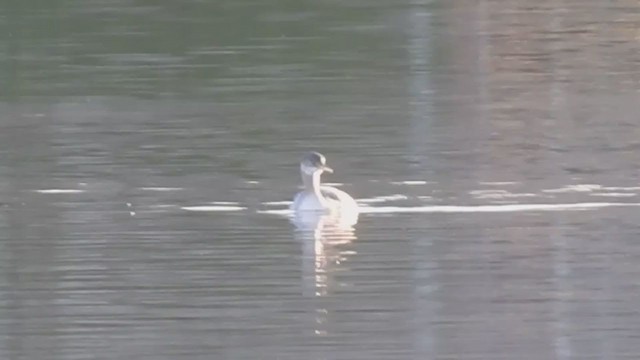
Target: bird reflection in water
[[325, 240]]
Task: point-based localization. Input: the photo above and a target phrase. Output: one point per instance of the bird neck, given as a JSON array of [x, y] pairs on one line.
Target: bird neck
[[311, 184]]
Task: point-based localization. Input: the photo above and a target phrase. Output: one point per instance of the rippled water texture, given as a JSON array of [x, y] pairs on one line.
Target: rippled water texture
[[149, 152]]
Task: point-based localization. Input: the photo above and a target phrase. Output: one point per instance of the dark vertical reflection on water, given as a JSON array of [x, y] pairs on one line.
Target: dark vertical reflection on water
[[420, 40], [117, 117]]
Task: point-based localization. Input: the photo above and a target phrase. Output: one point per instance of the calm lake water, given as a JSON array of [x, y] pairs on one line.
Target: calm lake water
[[149, 148]]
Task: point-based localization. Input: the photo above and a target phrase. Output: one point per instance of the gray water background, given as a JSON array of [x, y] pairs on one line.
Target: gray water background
[[456, 119]]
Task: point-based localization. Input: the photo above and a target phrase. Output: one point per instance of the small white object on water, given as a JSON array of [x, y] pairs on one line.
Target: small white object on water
[[59, 191]]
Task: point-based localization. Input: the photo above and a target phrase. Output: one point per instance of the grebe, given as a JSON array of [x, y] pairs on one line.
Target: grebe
[[317, 197]]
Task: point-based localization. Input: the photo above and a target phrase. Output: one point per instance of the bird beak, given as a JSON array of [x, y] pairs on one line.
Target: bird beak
[[327, 169]]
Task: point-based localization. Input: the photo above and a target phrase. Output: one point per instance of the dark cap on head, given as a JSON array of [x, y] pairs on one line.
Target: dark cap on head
[[314, 159]]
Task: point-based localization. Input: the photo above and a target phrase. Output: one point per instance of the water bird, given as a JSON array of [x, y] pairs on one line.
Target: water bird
[[316, 197]]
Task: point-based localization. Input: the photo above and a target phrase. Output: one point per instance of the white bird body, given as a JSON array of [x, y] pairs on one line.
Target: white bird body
[[330, 199], [317, 197]]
